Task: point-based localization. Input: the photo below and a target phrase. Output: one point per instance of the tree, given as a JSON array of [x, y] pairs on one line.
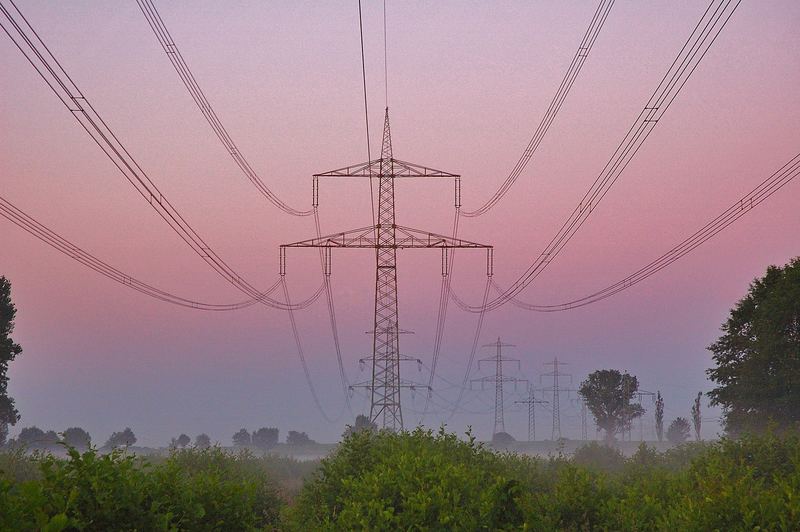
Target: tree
[[8, 352], [696, 420], [758, 356], [31, 437], [660, 416], [362, 423], [202, 441], [77, 437], [50, 439], [298, 438], [265, 437], [126, 438], [678, 431], [242, 438], [502, 438], [183, 440], [608, 395]]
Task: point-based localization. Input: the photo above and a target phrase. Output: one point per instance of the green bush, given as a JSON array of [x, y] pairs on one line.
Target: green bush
[[190, 490], [380, 480], [599, 457], [420, 480]]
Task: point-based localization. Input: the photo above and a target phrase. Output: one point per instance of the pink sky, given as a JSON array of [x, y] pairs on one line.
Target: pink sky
[[468, 84]]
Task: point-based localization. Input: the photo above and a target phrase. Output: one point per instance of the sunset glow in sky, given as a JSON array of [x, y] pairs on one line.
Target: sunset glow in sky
[[467, 85]]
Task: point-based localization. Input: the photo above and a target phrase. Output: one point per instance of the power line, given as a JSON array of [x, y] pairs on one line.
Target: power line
[[301, 354], [324, 256], [52, 72], [61, 244], [366, 108], [474, 349], [694, 49], [736, 210], [444, 298], [164, 37], [571, 75]]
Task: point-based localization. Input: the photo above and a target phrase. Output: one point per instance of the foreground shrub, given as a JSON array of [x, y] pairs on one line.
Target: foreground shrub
[[418, 480], [380, 480], [191, 490], [599, 457]]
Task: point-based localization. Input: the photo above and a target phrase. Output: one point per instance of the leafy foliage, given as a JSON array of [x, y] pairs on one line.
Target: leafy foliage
[[412, 481], [202, 441], [608, 394], [599, 457], [678, 431], [362, 422], [298, 438], [758, 356], [380, 480], [696, 418], [125, 438], [265, 437], [8, 352], [242, 438], [77, 437], [191, 490], [422, 481], [659, 416]]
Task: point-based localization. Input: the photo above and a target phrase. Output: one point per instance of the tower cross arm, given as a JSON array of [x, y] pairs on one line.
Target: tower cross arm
[[405, 238], [378, 167]]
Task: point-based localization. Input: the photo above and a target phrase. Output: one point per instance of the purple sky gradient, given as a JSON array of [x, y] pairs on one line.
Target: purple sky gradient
[[468, 83]]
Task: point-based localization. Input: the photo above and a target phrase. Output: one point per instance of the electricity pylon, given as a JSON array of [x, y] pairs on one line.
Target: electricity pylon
[[640, 394], [556, 434], [404, 384], [498, 379], [531, 401], [385, 237]]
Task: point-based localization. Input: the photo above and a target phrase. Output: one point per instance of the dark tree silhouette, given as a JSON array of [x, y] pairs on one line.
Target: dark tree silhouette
[[77, 437], [608, 395], [362, 423], [8, 352], [660, 416], [31, 437], [126, 438], [51, 439], [696, 419], [758, 356], [242, 438], [183, 440], [265, 437], [298, 438], [678, 431], [202, 441]]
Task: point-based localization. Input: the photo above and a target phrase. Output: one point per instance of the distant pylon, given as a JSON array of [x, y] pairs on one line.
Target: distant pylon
[[640, 394], [531, 401], [556, 434], [498, 379]]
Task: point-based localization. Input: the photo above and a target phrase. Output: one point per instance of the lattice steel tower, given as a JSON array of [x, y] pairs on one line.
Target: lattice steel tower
[[556, 434], [531, 401], [498, 379], [386, 237]]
